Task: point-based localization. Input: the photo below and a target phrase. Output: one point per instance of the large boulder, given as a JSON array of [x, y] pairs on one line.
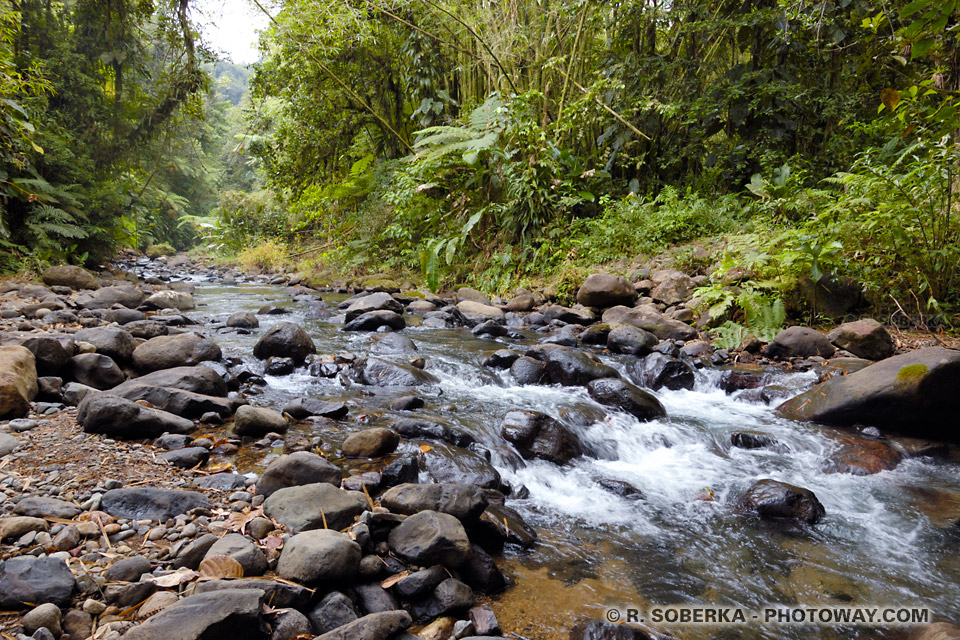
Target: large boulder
[[241, 549], [243, 320], [197, 379], [622, 395], [464, 502], [370, 443], [775, 500], [285, 340], [658, 371], [314, 506], [124, 295], [297, 469], [625, 338], [301, 408], [69, 276], [913, 393], [115, 343], [799, 342], [96, 370], [374, 626], [537, 435], [118, 417], [18, 381], [449, 463], [865, 338], [150, 503], [671, 286], [466, 293], [381, 301], [185, 404], [649, 318], [383, 373], [166, 352], [571, 367], [430, 537], [604, 290], [230, 613], [319, 557], [52, 352], [29, 580], [179, 300], [474, 313], [373, 320], [258, 421]]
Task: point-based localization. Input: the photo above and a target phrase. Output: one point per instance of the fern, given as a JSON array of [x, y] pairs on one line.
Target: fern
[[49, 224], [482, 134]]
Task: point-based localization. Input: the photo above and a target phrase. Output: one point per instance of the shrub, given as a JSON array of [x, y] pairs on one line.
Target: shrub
[[266, 256], [161, 249]]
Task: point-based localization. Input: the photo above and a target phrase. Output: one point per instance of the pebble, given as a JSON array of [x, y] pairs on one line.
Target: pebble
[[22, 424]]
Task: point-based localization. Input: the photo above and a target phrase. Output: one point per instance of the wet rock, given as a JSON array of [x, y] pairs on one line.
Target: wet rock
[[52, 353], [242, 550], [474, 313], [278, 593], [231, 613], [600, 630], [570, 367], [375, 626], [370, 443], [430, 537], [150, 503], [258, 421], [187, 457], [373, 320], [383, 373], [648, 318], [890, 394], [40, 507], [319, 557], [404, 469], [374, 302], [165, 352], [279, 366], [489, 328], [297, 469], [450, 597], [861, 457], [604, 290], [577, 315], [413, 428], [96, 370], [392, 343], [626, 397], [501, 359], [526, 370], [180, 300], [127, 569], [739, 379], [406, 403], [333, 611], [119, 417], [464, 502], [185, 404], [13, 527], [620, 488], [305, 407], [18, 381], [76, 278], [46, 616], [447, 463], [285, 340], [484, 621], [480, 571], [799, 342], [865, 338], [115, 343], [750, 440], [26, 579], [314, 506], [625, 338], [658, 371], [243, 320], [774, 500], [537, 435]]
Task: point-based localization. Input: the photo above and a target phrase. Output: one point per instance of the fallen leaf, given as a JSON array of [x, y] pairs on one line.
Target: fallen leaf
[[273, 542], [216, 567], [175, 579], [425, 447], [394, 579], [220, 468]]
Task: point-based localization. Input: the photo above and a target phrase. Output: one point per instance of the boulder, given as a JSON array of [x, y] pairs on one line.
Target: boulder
[[243, 320], [501, 359], [46, 616], [18, 381], [258, 421], [180, 300], [127, 569], [241, 549], [392, 343], [231, 613], [96, 370], [381, 301], [280, 594], [474, 313], [69, 276], [52, 352], [649, 318], [115, 343], [297, 469], [658, 371], [333, 611], [537, 435], [150, 503], [799, 342], [123, 316], [626, 397], [570, 367], [8, 444], [373, 320], [146, 329], [890, 394], [830, 296], [464, 502], [861, 457], [430, 537], [27, 579], [305, 407], [578, 314], [466, 293], [40, 507], [198, 379], [775, 500], [865, 338], [125, 295], [166, 352], [604, 290], [119, 417], [187, 457], [185, 404], [602, 630], [450, 597], [374, 626], [285, 340], [527, 370], [671, 287], [448, 463], [520, 303], [314, 506], [625, 338], [383, 373], [370, 443], [319, 557]]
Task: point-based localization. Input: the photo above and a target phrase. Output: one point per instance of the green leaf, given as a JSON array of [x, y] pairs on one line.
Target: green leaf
[[586, 195], [914, 7], [451, 250], [920, 47], [471, 223]]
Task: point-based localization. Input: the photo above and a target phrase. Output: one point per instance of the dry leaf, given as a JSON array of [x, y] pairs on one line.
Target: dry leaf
[[220, 468], [273, 542], [425, 447], [175, 579], [216, 567], [394, 579], [239, 521], [100, 517]]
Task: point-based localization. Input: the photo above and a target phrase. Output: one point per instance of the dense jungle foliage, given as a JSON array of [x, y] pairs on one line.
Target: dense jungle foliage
[[500, 143]]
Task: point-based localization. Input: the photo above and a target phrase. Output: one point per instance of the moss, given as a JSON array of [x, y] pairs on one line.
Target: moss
[[912, 373]]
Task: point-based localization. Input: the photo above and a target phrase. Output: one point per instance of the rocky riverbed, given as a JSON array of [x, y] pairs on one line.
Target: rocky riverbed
[[195, 452]]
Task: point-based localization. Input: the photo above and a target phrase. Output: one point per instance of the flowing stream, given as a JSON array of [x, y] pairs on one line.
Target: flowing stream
[[885, 540]]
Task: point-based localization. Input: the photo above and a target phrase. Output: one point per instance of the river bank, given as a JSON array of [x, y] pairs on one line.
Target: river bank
[[594, 479]]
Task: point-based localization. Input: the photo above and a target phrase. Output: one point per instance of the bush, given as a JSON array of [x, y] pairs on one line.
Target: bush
[[161, 249], [266, 256]]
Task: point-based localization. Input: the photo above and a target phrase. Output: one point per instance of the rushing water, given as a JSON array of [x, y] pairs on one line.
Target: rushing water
[[884, 540]]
